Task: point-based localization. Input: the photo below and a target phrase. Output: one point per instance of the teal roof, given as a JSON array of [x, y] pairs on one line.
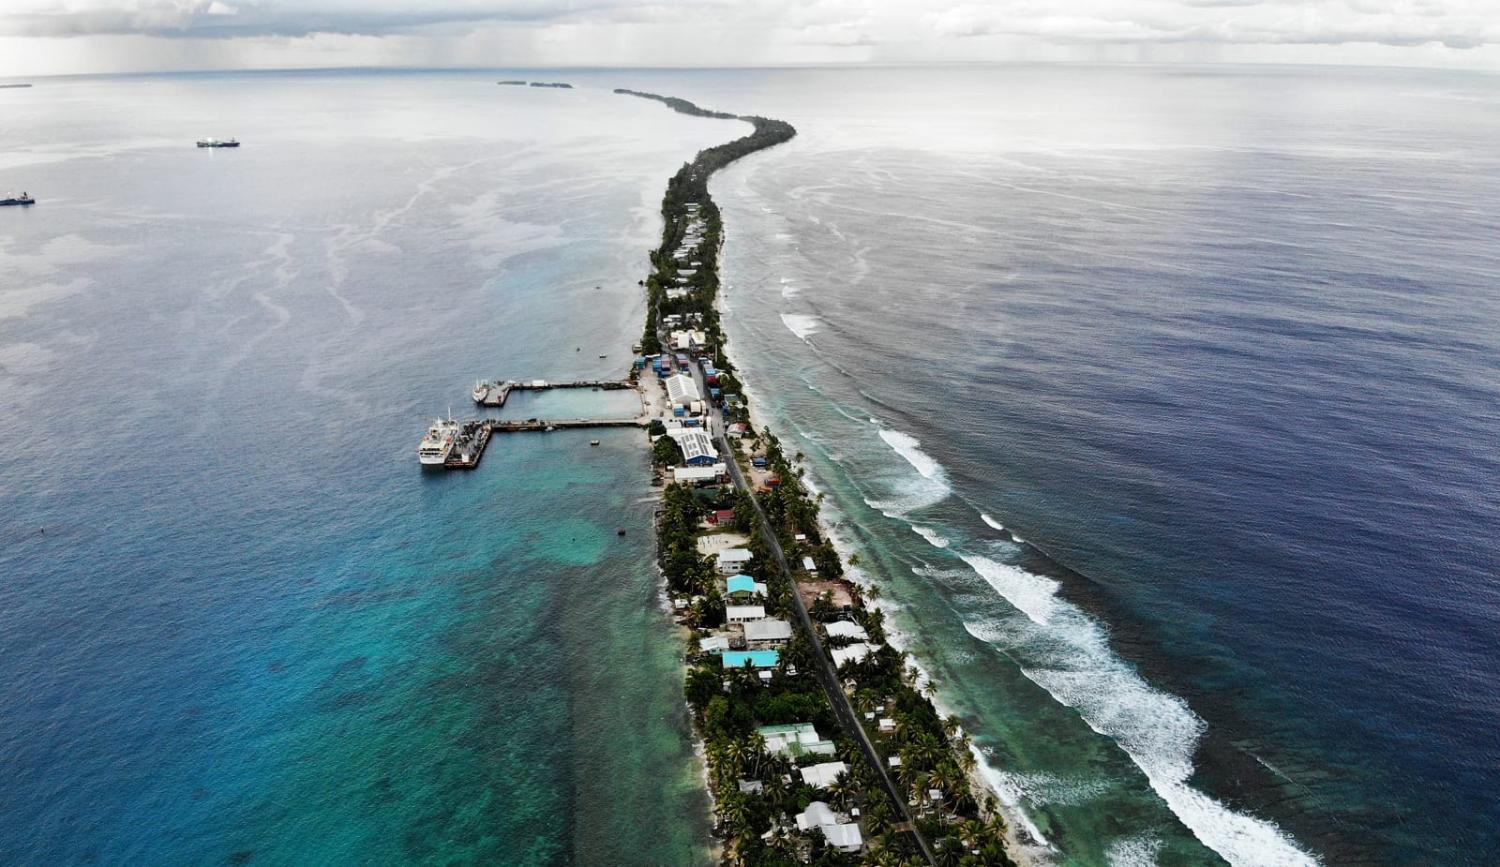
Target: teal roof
[[756, 658], [740, 584]]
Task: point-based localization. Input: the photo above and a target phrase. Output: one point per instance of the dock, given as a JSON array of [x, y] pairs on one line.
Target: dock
[[495, 392], [474, 436]]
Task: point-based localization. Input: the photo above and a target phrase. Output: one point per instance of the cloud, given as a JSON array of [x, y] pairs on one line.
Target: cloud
[[1460, 24], [134, 33]]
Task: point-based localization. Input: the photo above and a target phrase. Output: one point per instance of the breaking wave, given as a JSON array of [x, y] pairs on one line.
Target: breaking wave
[[801, 324], [1067, 653], [993, 524], [931, 535], [909, 447]]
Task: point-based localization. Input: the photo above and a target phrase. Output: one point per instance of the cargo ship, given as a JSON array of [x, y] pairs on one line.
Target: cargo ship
[[218, 143]]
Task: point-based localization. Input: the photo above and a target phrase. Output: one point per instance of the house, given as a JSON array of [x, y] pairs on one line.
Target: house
[[721, 517], [846, 629], [852, 653], [743, 588], [738, 429], [752, 658], [733, 560], [887, 725], [682, 389], [809, 565], [796, 740], [843, 836], [714, 644], [762, 633], [744, 613], [822, 776]]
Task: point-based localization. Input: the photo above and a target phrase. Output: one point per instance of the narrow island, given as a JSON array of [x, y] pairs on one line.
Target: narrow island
[[820, 746], [560, 84], [513, 83], [11, 86]]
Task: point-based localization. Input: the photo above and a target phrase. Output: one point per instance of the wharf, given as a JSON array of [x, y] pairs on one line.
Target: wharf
[[494, 393], [474, 436]]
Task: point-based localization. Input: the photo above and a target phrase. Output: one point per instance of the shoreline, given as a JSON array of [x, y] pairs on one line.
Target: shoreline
[[944, 794]]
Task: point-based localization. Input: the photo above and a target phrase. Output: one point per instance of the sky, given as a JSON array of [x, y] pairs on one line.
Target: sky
[[49, 37]]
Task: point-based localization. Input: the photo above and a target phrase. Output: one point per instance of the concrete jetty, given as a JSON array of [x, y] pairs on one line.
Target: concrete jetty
[[494, 393]]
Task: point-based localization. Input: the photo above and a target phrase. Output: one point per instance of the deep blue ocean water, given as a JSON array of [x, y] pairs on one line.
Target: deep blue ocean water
[[238, 624], [1219, 345]]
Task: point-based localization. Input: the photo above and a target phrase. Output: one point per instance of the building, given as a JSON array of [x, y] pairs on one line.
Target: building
[[721, 517], [754, 659], [796, 740], [696, 445], [852, 653], [744, 613], [846, 629], [699, 475], [743, 588], [809, 565], [843, 836], [682, 389], [734, 560], [766, 633], [822, 776], [713, 644]]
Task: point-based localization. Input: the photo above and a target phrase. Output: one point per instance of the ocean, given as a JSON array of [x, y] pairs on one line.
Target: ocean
[[1159, 403], [238, 624]]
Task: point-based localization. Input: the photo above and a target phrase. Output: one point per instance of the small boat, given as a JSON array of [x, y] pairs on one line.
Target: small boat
[[481, 390], [593, 442], [23, 199], [218, 143]]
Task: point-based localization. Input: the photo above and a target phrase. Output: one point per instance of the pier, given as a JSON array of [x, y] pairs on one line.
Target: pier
[[494, 393], [474, 437]]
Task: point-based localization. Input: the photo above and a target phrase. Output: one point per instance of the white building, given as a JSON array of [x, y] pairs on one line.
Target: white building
[[768, 632], [682, 389], [846, 629], [822, 776], [809, 565], [714, 643], [695, 475], [697, 446], [733, 560], [744, 613], [852, 653], [843, 836]]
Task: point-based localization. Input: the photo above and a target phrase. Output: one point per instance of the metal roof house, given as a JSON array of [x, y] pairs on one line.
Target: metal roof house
[[734, 559], [744, 613], [743, 586], [846, 629], [822, 776], [797, 739], [763, 632], [843, 836], [852, 653]]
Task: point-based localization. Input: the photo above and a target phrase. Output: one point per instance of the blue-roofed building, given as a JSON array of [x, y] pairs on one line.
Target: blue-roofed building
[[740, 587], [753, 658]]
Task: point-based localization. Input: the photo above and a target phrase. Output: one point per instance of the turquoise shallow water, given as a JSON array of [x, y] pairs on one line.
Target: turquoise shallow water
[[237, 623]]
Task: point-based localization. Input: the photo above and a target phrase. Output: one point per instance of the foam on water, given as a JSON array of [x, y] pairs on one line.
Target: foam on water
[[1135, 851], [993, 524], [909, 447], [1067, 653], [931, 535], [801, 324]]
